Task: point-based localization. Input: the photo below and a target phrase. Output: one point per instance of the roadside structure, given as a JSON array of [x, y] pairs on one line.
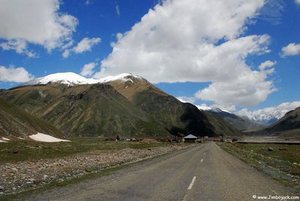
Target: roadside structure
[[190, 138]]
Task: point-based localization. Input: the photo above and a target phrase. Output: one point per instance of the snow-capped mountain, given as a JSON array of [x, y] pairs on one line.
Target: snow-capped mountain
[[204, 107], [265, 116], [213, 109], [67, 78], [266, 119], [269, 115], [70, 78], [289, 122], [121, 77], [126, 105], [240, 123]]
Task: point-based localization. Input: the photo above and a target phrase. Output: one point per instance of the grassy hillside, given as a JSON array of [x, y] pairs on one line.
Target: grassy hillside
[[16, 122]]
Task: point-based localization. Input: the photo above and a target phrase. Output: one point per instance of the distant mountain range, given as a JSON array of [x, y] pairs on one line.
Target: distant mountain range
[[241, 123], [265, 119], [124, 105], [253, 121], [288, 125], [270, 115]]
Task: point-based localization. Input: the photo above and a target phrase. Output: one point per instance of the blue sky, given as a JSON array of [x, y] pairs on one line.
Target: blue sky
[[274, 24]]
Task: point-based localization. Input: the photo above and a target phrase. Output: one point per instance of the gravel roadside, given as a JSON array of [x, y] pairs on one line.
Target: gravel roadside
[[27, 175]]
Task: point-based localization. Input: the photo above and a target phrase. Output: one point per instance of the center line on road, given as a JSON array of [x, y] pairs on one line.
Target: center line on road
[[274, 192], [189, 188], [192, 183], [201, 160]]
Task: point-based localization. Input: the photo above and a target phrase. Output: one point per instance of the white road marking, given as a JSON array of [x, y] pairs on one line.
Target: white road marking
[[201, 160], [184, 198], [192, 183], [189, 188], [274, 192]]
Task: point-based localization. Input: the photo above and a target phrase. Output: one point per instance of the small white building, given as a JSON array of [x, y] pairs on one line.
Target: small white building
[[190, 138]]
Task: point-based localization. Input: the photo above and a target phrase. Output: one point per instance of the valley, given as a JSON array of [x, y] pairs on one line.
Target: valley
[[152, 100], [64, 129]]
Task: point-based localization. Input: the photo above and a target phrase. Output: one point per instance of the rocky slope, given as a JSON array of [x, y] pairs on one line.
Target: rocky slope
[[26, 175]]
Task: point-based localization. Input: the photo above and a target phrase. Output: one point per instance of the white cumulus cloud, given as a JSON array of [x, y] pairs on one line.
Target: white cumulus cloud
[[14, 74], [88, 69], [267, 65], [35, 22], [20, 46], [297, 2], [197, 41], [291, 49], [84, 45]]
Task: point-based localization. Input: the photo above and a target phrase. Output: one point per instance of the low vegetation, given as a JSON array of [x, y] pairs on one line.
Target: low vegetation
[[20, 123], [282, 162], [20, 150], [29, 165]]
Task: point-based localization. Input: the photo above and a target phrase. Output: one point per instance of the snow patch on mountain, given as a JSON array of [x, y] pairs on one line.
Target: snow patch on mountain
[[186, 99], [70, 78], [4, 139], [121, 77], [204, 107], [192, 100]]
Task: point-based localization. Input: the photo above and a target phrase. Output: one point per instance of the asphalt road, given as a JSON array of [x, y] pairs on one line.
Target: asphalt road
[[204, 172]]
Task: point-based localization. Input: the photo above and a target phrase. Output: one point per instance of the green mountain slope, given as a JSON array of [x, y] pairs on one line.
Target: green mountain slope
[[15, 122], [83, 110]]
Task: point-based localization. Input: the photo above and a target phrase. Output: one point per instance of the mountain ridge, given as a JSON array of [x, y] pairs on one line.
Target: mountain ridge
[[128, 106]]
